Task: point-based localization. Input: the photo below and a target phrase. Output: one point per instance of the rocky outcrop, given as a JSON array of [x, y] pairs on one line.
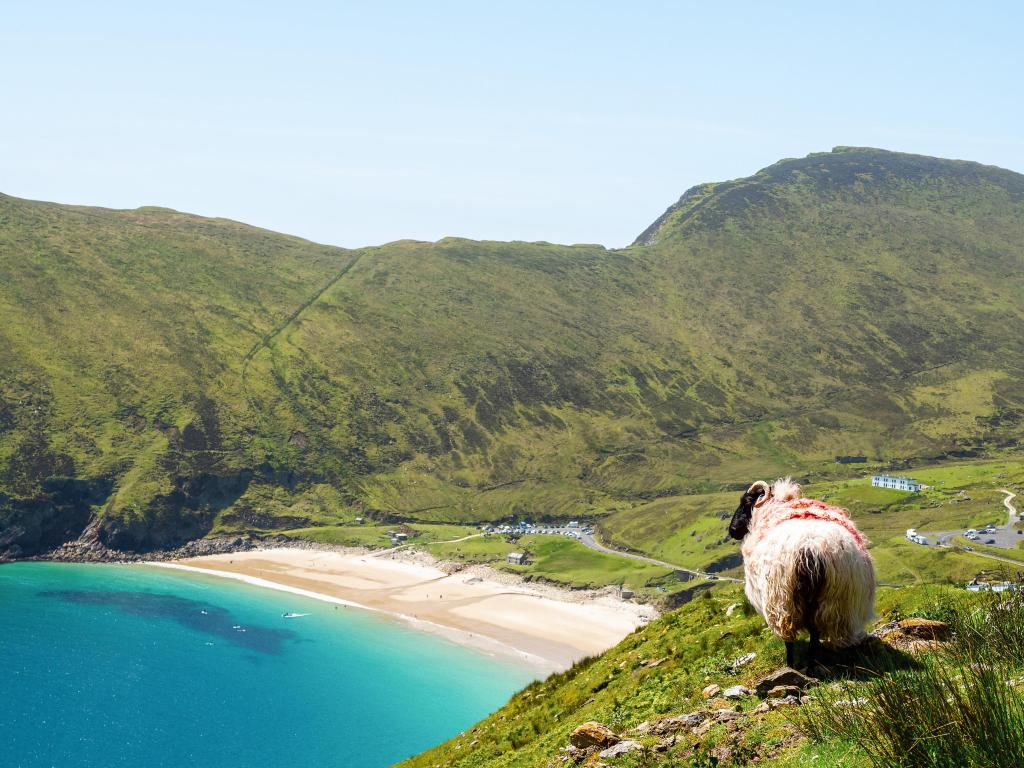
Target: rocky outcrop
[[914, 635], [171, 520], [593, 734], [677, 723], [60, 512], [622, 748], [89, 549], [737, 692], [784, 676]]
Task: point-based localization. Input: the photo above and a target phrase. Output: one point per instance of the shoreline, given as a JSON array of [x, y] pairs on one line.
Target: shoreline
[[461, 637], [543, 627]]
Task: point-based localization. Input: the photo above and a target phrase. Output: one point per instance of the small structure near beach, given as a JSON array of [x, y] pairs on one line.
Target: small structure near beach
[[518, 558]]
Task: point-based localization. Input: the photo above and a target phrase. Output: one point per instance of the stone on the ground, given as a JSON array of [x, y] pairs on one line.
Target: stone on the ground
[[784, 676], [858, 702], [737, 692], [622, 748], [711, 690], [593, 734], [781, 691], [651, 663], [742, 661], [676, 723], [701, 730], [769, 705], [724, 715], [913, 635], [665, 744], [924, 629]]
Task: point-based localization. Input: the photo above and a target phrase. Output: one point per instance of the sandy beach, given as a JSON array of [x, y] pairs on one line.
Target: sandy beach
[[490, 610]]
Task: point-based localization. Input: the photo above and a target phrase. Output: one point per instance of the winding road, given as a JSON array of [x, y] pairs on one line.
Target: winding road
[[588, 540], [1010, 496], [1005, 537]]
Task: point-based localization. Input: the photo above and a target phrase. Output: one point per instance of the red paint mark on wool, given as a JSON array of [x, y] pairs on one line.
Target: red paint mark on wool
[[812, 509]]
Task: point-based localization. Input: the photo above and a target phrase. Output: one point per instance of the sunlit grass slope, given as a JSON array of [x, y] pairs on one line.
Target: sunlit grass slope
[[193, 374], [661, 670]]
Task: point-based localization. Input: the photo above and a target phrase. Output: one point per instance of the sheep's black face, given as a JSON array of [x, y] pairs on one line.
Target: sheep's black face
[[740, 524]]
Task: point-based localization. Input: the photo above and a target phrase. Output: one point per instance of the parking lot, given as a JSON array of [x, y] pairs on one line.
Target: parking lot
[[1004, 536]]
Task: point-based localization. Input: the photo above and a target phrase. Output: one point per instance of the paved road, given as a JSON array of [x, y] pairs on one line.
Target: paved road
[[588, 540], [1005, 537], [382, 552]]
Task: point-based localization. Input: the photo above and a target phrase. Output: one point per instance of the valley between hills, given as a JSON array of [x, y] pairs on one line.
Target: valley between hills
[[167, 378]]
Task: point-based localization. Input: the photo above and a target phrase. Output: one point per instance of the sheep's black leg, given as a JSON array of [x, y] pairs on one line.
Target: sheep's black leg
[[813, 648], [790, 654], [811, 580]]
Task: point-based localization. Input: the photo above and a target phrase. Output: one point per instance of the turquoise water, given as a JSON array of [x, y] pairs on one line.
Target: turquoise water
[[115, 665]]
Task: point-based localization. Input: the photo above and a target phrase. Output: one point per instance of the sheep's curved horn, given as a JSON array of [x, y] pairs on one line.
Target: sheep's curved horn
[[761, 484]]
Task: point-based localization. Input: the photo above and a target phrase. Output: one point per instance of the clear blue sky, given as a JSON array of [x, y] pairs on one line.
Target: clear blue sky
[[360, 123]]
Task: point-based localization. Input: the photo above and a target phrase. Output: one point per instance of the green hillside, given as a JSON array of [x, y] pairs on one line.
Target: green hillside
[[901, 703], [164, 375]]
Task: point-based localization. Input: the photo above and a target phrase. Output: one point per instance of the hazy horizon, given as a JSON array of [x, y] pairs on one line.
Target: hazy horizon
[[576, 123]]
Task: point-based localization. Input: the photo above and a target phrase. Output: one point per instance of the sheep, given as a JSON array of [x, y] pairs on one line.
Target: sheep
[[806, 567]]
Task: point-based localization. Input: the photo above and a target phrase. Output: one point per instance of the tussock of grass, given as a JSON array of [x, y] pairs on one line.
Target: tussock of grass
[[961, 706]]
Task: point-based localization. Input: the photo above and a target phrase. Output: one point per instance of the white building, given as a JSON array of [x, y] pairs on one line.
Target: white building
[[517, 558], [896, 483]]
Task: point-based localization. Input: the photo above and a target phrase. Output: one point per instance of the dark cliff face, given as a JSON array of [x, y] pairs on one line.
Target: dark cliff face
[[59, 513], [170, 520], [66, 506]]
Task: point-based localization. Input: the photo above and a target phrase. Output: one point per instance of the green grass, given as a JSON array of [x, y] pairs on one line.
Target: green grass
[[684, 530], [377, 535], [558, 559], [694, 646], [1016, 554], [959, 707], [897, 561], [211, 374], [490, 549], [561, 559]]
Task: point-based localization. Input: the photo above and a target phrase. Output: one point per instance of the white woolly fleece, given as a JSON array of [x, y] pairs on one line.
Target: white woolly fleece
[[782, 532]]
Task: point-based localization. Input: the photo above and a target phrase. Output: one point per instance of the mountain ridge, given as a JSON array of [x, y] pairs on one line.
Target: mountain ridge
[[218, 377], [910, 165]]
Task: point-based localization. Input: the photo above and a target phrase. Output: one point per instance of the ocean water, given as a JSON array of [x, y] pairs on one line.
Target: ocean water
[[129, 665]]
